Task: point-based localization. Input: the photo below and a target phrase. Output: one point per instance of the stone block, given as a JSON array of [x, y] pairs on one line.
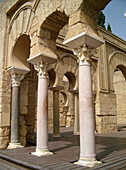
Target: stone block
[[4, 131], [23, 110], [24, 100], [23, 140], [6, 98], [31, 139], [23, 130], [22, 119], [5, 119], [4, 141], [30, 130]]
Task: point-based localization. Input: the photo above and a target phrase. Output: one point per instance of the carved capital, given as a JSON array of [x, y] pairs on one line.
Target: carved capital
[[41, 69], [84, 54], [16, 79]]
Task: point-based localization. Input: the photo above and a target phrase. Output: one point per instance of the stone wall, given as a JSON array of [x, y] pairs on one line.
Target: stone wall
[[66, 113], [28, 107], [5, 82], [107, 116], [106, 113], [120, 90]]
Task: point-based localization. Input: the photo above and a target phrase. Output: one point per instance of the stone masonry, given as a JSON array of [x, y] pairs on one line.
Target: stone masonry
[[19, 24]]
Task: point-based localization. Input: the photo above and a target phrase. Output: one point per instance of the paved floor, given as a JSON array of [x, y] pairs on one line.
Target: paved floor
[[110, 149]]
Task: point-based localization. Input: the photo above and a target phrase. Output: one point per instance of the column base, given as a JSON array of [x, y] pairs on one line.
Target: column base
[[88, 163], [56, 135], [40, 152], [14, 145]]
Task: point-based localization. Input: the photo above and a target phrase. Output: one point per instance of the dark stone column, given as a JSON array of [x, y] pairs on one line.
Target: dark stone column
[[14, 142], [56, 126]]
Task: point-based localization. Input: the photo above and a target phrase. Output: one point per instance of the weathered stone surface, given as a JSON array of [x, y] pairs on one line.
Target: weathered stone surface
[[23, 140], [4, 141], [120, 90], [23, 131], [106, 113], [110, 102], [4, 131]]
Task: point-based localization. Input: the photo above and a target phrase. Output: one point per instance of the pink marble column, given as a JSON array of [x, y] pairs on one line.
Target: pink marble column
[[42, 111], [83, 46], [86, 110]]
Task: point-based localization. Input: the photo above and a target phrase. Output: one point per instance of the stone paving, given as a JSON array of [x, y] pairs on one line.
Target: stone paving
[[110, 149]]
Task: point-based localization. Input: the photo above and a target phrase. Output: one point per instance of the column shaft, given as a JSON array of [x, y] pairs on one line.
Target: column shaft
[[42, 111], [56, 126], [83, 45], [87, 137], [76, 114], [15, 115], [16, 79], [42, 114]]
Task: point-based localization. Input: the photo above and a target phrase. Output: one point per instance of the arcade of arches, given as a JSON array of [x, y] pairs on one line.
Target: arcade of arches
[[53, 55]]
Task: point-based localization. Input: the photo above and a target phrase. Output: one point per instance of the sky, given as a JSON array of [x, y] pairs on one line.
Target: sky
[[114, 13]]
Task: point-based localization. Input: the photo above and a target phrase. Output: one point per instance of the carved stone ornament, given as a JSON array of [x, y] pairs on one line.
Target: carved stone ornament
[[16, 79], [41, 69], [84, 54]]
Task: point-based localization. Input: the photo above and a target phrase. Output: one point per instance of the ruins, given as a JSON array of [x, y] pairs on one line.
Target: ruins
[[53, 55]]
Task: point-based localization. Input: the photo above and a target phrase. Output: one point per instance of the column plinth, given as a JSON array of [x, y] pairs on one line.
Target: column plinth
[[14, 145], [42, 111], [88, 163]]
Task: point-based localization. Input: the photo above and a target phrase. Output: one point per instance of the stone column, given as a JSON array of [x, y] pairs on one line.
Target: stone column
[[14, 142], [42, 111], [86, 109], [83, 46], [56, 126], [76, 114]]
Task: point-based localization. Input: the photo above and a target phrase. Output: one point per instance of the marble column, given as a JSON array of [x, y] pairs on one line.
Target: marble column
[[86, 109], [76, 114], [56, 126], [84, 45], [42, 111], [14, 141]]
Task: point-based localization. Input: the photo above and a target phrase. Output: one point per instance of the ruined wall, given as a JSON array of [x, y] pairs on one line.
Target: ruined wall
[[28, 102], [106, 113], [105, 101], [111, 54], [120, 91], [5, 82]]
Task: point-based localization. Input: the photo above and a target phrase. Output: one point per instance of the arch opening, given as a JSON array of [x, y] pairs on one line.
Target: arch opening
[[52, 77], [21, 52], [52, 25], [72, 79], [119, 83]]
